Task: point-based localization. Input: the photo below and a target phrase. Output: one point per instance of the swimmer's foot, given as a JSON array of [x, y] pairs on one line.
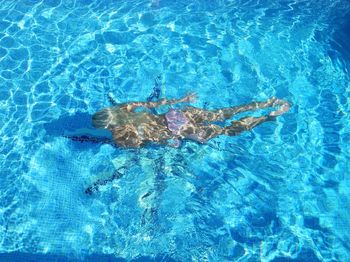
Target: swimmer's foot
[[272, 101], [284, 107]]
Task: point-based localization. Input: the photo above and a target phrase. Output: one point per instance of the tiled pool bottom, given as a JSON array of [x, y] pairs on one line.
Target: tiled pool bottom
[[278, 193]]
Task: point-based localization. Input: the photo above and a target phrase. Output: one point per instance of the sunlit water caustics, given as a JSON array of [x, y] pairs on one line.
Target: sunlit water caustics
[[277, 193]]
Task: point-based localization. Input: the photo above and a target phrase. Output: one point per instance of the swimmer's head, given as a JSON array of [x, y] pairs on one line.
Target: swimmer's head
[[109, 118], [101, 119]]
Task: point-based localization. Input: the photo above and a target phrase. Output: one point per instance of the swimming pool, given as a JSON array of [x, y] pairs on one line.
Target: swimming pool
[[279, 192]]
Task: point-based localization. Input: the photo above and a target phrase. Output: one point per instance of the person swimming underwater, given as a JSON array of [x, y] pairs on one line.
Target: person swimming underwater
[[133, 125]]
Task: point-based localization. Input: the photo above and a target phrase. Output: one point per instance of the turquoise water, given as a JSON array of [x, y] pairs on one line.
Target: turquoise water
[[278, 193]]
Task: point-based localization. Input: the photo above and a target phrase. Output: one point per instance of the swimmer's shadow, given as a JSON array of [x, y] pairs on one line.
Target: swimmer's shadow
[[95, 187], [78, 128]]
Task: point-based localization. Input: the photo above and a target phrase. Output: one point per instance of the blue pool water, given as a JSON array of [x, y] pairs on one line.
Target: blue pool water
[[278, 193]]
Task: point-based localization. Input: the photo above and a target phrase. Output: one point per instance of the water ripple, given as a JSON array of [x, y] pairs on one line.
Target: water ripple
[[278, 192]]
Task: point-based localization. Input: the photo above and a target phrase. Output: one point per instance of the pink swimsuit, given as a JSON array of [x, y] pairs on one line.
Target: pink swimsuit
[[175, 120]]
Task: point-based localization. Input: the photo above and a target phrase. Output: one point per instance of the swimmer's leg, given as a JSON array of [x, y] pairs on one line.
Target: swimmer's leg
[[245, 124], [231, 111], [203, 133], [198, 115]]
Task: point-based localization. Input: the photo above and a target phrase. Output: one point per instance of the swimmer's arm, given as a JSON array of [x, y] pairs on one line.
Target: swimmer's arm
[[133, 105]]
